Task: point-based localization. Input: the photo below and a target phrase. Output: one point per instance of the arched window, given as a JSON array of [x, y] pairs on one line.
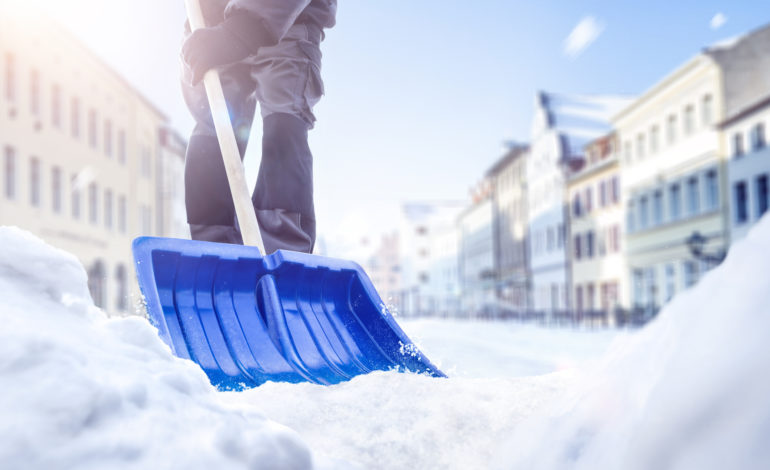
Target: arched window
[[97, 283], [122, 294]]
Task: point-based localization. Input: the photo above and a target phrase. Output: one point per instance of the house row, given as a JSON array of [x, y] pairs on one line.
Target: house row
[[616, 204]]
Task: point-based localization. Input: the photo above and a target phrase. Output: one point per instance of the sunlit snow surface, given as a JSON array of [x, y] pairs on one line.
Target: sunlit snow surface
[[78, 390]]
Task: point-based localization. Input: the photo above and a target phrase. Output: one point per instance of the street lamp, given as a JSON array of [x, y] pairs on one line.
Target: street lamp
[[696, 243]]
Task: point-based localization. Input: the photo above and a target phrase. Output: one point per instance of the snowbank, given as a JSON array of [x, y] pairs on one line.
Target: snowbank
[[78, 390], [691, 391]]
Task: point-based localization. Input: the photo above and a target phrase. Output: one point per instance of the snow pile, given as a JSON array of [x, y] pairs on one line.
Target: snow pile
[[78, 390], [691, 391]]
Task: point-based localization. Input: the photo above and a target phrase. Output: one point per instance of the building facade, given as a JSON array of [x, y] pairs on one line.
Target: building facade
[[598, 271], [509, 206], [748, 167], [80, 153], [477, 256], [673, 164]]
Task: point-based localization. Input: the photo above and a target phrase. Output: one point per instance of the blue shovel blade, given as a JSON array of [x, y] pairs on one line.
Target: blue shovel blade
[[247, 319]]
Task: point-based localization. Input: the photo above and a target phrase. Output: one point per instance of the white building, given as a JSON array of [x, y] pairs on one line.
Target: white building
[[748, 168], [673, 164], [420, 226], [477, 255], [562, 126], [80, 152]]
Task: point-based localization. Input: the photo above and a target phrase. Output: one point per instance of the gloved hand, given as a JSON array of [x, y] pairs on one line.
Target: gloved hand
[[233, 40]]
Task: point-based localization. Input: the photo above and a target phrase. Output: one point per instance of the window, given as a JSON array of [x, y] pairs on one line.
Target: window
[[615, 189], [640, 144], [762, 195], [654, 139], [577, 247], [671, 129], [670, 282], [690, 273], [657, 207], [707, 110], [122, 214], [689, 120], [741, 203], [631, 216], [712, 190], [34, 181], [108, 209], [34, 92], [627, 151], [146, 162], [93, 203], [615, 238], [92, 140], [121, 146], [576, 205], [121, 280], [56, 106], [96, 283], [75, 197], [675, 201], [56, 189], [602, 193], [693, 196], [560, 236], [738, 149], [75, 117], [589, 198], [638, 281], [579, 298], [758, 137], [643, 213], [590, 296], [10, 77], [590, 244], [10, 173], [108, 138]]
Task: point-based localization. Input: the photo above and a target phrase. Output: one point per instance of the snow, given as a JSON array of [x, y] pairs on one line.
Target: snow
[[80, 390]]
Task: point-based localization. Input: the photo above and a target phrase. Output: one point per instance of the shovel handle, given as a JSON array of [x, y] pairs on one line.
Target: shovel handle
[[231, 155]]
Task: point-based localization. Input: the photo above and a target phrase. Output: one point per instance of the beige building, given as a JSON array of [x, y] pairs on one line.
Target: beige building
[[81, 153], [509, 204], [598, 273], [673, 163]]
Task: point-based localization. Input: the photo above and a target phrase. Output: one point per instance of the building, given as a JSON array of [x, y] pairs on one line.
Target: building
[[562, 126], [171, 214], [598, 273], [81, 152], [385, 271], [509, 207], [420, 226], [444, 283], [673, 164], [477, 255], [748, 167]]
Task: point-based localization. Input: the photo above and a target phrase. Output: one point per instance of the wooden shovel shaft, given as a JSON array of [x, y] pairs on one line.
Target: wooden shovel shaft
[[244, 209]]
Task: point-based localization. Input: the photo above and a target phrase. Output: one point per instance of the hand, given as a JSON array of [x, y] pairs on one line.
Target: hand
[[209, 48]]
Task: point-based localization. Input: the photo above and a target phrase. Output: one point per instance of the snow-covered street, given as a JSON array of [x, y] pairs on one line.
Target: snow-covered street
[[79, 390]]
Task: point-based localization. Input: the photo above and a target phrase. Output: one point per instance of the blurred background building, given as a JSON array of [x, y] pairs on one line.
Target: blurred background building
[[84, 155]]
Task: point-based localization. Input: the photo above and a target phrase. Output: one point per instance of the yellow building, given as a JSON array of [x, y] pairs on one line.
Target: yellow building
[[598, 273], [81, 153], [673, 167]]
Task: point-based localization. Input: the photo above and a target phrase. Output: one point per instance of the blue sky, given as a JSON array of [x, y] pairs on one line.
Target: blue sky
[[420, 94]]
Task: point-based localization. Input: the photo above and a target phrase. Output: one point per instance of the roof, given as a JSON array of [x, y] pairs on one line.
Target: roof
[[744, 113], [514, 152], [579, 119]]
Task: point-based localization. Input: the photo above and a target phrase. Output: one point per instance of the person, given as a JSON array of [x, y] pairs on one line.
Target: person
[[267, 51]]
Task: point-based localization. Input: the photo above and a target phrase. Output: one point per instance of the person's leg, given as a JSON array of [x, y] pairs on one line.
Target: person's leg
[[288, 86], [210, 210]]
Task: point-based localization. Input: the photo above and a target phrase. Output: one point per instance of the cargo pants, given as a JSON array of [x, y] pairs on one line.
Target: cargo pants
[[285, 79]]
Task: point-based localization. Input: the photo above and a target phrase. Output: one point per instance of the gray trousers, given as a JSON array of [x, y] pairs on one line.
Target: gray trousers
[[285, 79]]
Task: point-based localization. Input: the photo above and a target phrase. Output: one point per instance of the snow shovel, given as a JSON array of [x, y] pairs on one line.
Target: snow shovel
[[246, 318]]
